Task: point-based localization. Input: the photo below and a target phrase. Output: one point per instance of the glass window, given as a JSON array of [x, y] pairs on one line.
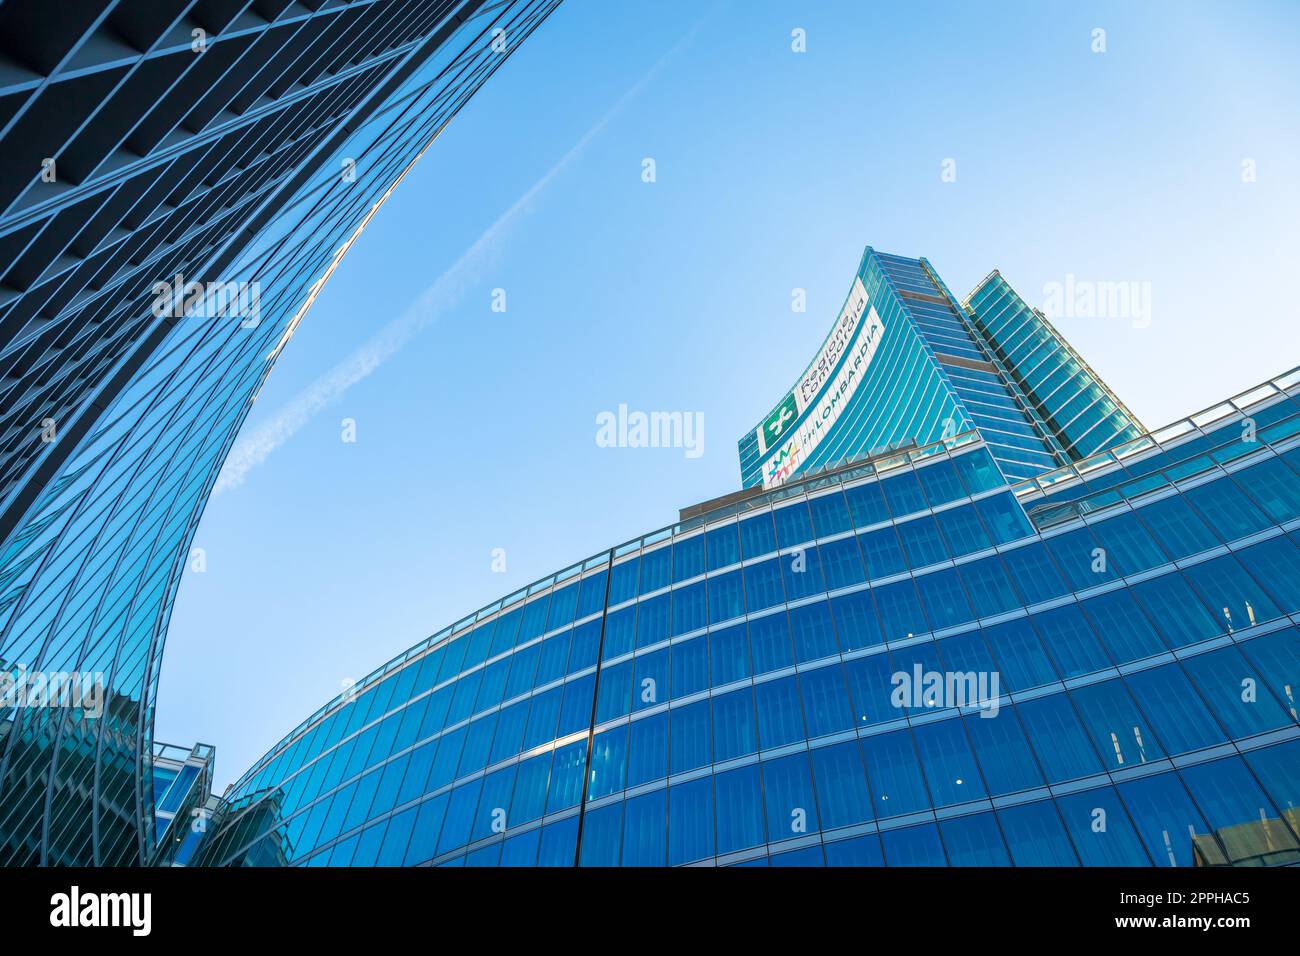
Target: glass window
[[652, 620], [978, 471], [841, 563], [793, 524], [559, 842], [1099, 827], [988, 588], [1127, 542], [1248, 826], [1035, 836], [1119, 730], [690, 734], [608, 763], [866, 504], [739, 802], [843, 797], [870, 690], [620, 632], [729, 655], [586, 644], [1166, 820], [1276, 564], [688, 609], [830, 514], [763, 585], [962, 530], [903, 492], [922, 542], [614, 698], [757, 535], [1122, 626], [735, 732], [856, 623], [645, 834], [688, 558], [913, 846], [1277, 657], [1034, 574], [900, 610], [780, 714], [769, 643], [566, 777], [860, 851], [1227, 509], [726, 597], [940, 482], [1235, 693], [1273, 486], [656, 569], [690, 667], [882, 553], [894, 774], [1082, 560], [543, 718], [1071, 642], [802, 571], [723, 545], [690, 821], [810, 626], [602, 835], [1004, 518], [1175, 611], [564, 603], [529, 799], [494, 804], [826, 701], [1176, 711], [1180, 532], [647, 749], [1225, 585], [1058, 738], [1002, 751], [974, 840], [623, 584], [949, 766], [791, 804], [945, 599], [591, 594]]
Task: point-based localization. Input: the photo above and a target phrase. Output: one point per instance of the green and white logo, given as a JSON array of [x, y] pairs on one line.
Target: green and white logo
[[778, 423]]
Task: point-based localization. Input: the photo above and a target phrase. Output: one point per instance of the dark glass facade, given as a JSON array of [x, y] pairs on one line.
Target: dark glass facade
[[912, 659], [180, 179]]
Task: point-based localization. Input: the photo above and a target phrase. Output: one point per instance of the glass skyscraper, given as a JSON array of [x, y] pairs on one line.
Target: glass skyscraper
[[965, 610], [179, 180]]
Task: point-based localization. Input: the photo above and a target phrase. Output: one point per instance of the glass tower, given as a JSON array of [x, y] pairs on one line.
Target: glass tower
[[180, 179], [1026, 632]]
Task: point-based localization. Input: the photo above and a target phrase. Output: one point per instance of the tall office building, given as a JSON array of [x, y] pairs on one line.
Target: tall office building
[[1028, 632], [906, 363], [177, 180]]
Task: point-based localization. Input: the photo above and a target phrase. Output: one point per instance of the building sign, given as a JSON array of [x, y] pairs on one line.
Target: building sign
[[814, 379], [800, 442]]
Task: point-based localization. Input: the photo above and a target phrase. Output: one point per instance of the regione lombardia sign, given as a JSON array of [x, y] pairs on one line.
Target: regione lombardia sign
[[850, 346]]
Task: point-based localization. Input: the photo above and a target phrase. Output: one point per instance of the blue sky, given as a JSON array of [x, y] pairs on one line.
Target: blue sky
[[476, 431]]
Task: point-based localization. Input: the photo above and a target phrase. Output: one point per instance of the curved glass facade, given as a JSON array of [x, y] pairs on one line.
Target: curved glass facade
[[905, 661], [255, 147]]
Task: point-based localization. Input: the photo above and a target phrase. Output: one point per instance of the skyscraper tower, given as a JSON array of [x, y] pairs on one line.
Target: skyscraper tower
[[179, 179]]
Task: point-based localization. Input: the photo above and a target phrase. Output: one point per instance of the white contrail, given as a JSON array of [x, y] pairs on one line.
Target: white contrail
[[253, 447]]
